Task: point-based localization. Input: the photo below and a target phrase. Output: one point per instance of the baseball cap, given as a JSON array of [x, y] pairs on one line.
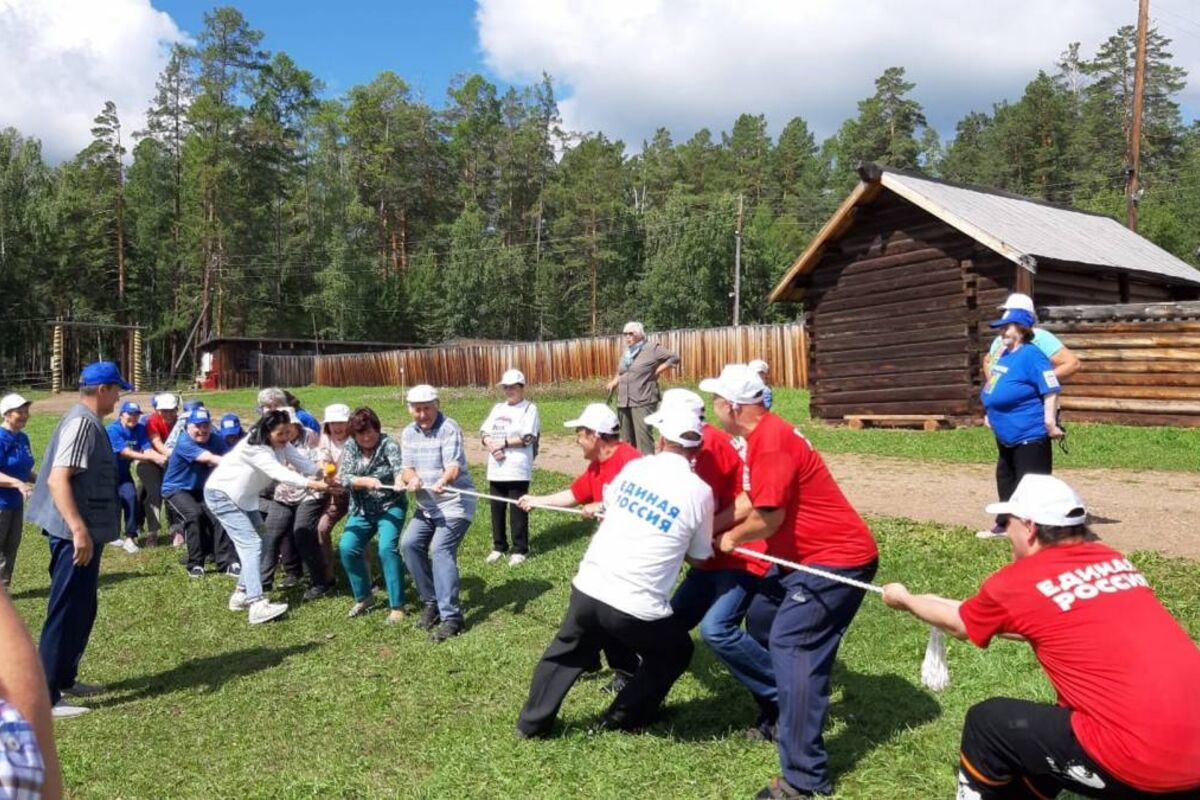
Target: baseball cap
[[421, 393], [199, 416], [101, 373], [130, 407], [512, 377], [678, 424], [685, 398], [165, 402], [737, 384], [11, 402], [231, 425], [1046, 500], [759, 366], [1018, 316], [596, 417], [193, 404], [1020, 301], [338, 412]]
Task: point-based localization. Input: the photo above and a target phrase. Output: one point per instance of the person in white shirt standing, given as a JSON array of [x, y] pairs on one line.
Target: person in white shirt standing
[[656, 512], [510, 434]]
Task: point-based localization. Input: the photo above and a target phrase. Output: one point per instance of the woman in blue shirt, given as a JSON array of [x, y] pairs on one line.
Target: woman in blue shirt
[[1021, 401], [16, 479]]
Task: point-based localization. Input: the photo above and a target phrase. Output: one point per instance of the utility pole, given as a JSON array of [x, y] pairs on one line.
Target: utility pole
[[737, 268], [1135, 129]]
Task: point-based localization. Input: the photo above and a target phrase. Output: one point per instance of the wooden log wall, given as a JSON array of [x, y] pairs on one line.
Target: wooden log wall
[[889, 317], [702, 353]]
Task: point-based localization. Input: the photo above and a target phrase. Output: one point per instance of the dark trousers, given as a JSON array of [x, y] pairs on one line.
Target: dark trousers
[[1021, 749], [70, 614], [201, 531], [1017, 461], [663, 645], [130, 508], [634, 428], [805, 634], [150, 477], [518, 518], [294, 525]]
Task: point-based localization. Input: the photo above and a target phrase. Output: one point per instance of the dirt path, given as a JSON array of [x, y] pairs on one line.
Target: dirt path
[[1132, 510]]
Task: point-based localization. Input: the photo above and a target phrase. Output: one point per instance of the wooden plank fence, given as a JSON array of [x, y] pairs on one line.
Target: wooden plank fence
[[702, 353]]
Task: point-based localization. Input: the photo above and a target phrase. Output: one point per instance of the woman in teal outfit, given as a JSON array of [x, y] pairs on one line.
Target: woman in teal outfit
[[370, 467]]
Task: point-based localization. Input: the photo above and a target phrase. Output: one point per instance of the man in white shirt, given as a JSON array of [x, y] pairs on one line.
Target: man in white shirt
[[656, 511]]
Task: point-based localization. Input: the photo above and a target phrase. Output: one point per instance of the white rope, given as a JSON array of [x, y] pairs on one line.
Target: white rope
[[833, 576], [510, 501]]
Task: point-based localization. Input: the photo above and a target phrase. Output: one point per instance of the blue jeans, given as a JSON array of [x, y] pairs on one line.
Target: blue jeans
[[430, 547], [812, 617], [243, 528], [352, 548], [717, 601], [70, 614], [131, 508]]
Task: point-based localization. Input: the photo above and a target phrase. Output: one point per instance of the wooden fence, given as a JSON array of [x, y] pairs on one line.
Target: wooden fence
[[1141, 362], [702, 353]]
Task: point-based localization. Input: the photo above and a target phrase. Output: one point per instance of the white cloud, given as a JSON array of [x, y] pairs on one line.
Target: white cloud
[[61, 59], [626, 67]]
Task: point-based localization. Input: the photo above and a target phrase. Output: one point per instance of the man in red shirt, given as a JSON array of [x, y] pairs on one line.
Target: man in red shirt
[[150, 474], [797, 507], [597, 434], [1127, 722]]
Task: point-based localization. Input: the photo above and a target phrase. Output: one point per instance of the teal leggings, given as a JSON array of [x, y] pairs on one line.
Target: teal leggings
[[353, 551]]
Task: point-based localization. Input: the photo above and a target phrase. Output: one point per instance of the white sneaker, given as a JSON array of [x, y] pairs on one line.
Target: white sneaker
[[237, 600], [130, 546], [991, 534], [81, 689], [263, 610], [493, 557], [63, 710], [516, 558]]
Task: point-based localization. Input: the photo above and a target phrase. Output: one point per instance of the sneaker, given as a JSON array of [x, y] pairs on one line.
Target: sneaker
[[195, 572], [237, 600], [62, 710], [429, 617], [619, 680], [177, 539], [447, 630], [396, 616], [317, 592], [762, 731], [997, 531], [234, 571], [263, 610], [129, 545], [516, 558], [83, 689], [493, 557], [361, 607], [290, 582], [779, 789]]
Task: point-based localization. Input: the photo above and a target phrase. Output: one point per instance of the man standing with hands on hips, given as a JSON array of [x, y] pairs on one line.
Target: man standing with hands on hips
[[75, 503]]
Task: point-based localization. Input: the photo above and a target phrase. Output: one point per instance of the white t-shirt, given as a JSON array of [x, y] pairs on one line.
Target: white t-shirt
[[510, 422], [247, 470], [655, 511]]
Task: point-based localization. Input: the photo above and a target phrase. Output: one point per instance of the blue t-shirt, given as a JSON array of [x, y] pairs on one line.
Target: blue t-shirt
[[308, 420], [121, 437], [184, 473], [16, 461], [1013, 395], [768, 397]]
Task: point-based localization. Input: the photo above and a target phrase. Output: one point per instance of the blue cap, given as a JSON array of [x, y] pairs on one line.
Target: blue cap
[[130, 407], [1014, 316], [101, 373], [199, 416], [191, 405], [231, 425]]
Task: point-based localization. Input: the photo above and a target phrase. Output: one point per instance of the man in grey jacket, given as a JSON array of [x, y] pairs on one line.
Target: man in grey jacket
[[637, 385]]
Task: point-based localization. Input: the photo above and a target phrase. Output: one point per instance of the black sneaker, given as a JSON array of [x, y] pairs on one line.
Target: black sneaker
[[429, 617], [779, 789], [619, 680], [290, 582], [234, 571], [317, 592], [195, 572], [447, 630]]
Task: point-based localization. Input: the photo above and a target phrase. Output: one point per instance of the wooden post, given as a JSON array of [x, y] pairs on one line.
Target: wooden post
[[1135, 129], [56, 360], [139, 378]]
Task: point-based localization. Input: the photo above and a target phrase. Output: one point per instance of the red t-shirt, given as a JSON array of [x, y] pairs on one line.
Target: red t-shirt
[[157, 426], [589, 487], [820, 527], [1116, 657], [719, 465]]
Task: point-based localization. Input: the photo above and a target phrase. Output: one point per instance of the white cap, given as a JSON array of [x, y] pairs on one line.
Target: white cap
[[738, 384], [684, 398], [11, 402], [759, 366], [1044, 499], [166, 402], [596, 417], [678, 424], [1021, 301], [338, 412], [293, 417], [421, 393], [512, 377]]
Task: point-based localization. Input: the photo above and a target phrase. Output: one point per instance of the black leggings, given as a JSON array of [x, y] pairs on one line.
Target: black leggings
[[518, 518], [1016, 461]]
